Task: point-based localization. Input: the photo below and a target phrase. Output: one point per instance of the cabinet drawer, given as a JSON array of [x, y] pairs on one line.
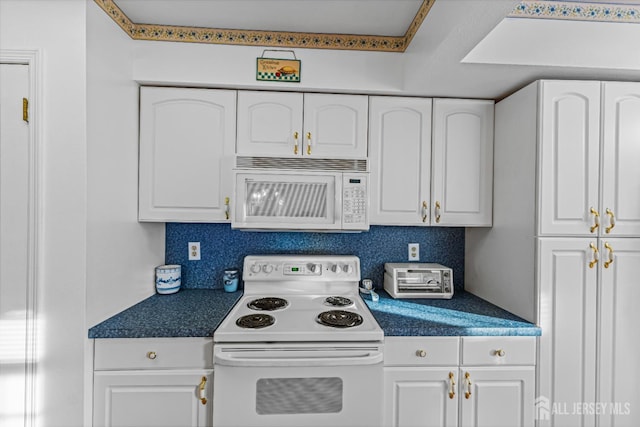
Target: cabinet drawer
[[421, 351], [498, 350], [153, 353]]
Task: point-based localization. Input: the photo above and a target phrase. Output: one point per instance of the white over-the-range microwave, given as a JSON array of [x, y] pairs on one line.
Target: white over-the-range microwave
[[282, 199]]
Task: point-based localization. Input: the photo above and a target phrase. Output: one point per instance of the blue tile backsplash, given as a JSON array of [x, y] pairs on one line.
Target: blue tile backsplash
[[222, 247]]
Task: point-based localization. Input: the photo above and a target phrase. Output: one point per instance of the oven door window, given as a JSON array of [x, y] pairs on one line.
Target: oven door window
[[298, 396]]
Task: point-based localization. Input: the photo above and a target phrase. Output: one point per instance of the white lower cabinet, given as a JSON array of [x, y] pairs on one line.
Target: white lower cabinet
[[451, 381], [153, 382]]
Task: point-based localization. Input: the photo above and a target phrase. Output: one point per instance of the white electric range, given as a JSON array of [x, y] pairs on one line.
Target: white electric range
[[300, 347]]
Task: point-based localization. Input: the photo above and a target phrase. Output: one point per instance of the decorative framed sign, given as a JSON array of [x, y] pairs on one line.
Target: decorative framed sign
[[278, 69]]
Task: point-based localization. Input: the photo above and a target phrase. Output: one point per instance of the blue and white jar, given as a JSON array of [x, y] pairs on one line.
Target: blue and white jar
[[168, 279]]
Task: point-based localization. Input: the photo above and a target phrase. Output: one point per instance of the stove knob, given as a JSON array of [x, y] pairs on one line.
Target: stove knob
[[255, 268], [312, 267], [347, 268], [334, 268], [267, 268]]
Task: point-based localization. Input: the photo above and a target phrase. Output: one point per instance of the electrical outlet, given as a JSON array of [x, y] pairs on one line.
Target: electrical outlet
[[194, 251], [414, 251]]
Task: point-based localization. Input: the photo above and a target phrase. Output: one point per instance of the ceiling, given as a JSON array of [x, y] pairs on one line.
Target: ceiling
[[470, 48]]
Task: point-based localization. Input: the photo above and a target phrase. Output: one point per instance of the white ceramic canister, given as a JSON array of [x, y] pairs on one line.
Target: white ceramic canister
[[168, 278]]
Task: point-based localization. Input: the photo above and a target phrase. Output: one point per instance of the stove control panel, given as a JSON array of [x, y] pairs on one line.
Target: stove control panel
[[319, 268]]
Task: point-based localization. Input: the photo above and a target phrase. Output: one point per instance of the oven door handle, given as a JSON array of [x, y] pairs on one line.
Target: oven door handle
[[238, 359]]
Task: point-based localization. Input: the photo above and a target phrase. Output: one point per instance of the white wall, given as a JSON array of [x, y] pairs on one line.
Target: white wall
[[121, 252], [194, 64], [57, 30]]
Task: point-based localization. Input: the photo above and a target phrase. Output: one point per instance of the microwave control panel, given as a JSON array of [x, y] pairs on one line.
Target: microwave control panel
[[355, 201]]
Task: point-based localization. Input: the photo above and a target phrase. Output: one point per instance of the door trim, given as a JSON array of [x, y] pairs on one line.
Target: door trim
[[32, 58]]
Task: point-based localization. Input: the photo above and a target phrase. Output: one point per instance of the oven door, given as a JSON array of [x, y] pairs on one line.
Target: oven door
[[298, 385]]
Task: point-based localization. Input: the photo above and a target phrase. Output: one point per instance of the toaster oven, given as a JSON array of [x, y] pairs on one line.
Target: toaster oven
[[418, 280]]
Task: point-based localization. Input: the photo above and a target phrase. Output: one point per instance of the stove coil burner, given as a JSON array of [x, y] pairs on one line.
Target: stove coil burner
[[255, 321], [339, 319], [268, 304], [338, 301]]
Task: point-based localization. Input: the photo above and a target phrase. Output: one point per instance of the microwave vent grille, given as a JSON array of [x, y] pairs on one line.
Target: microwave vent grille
[[341, 165]]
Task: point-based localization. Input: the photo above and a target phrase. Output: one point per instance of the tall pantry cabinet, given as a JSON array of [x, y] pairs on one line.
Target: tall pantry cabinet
[[564, 251]]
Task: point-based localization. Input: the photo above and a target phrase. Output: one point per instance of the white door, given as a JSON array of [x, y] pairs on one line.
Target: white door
[[420, 397], [567, 282], [619, 370], [569, 158], [335, 126], [620, 160], [186, 151], [269, 124], [462, 162], [400, 160], [497, 397], [14, 242], [152, 398]]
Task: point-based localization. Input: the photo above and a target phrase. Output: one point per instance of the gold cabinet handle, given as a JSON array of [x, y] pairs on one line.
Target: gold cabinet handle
[[612, 221], [421, 353], [309, 143], [437, 212], [594, 261], [226, 208], [467, 383], [295, 139], [202, 391], [151, 355], [425, 211], [596, 220], [452, 386], [610, 261], [499, 352]]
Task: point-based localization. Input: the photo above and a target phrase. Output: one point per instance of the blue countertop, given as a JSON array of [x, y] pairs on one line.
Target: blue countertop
[[187, 313], [198, 312], [464, 314]]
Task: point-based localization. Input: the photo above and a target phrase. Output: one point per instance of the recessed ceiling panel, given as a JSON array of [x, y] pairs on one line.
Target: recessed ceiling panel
[[363, 17]]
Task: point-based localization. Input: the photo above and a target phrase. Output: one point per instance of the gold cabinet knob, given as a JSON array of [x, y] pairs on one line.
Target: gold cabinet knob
[[421, 353], [612, 221], [610, 260], [202, 390], [594, 261], [596, 220], [452, 386], [151, 355], [499, 352]]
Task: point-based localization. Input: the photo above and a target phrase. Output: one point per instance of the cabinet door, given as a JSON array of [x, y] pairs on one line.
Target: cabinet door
[[567, 315], [186, 147], [620, 160], [269, 124], [569, 158], [420, 397], [619, 369], [497, 397], [462, 164], [335, 126], [152, 398], [400, 160]]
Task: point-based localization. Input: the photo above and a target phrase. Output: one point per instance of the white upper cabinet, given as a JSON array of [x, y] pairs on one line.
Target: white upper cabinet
[[269, 124], [620, 207], [186, 147], [589, 138], [287, 124], [400, 160], [462, 162], [569, 158], [335, 125]]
